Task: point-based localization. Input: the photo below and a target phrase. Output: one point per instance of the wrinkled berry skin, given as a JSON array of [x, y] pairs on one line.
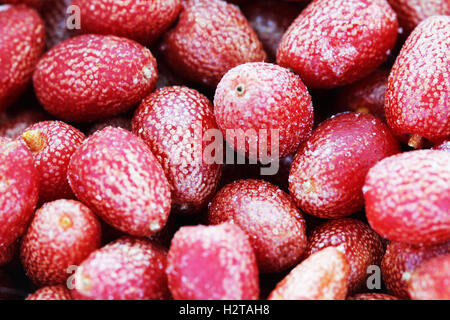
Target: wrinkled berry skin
[[19, 185], [91, 77], [372, 296], [401, 259], [62, 234], [141, 20], [407, 197], [170, 121], [115, 174], [126, 269], [336, 42], [22, 40], [274, 225], [417, 102], [210, 38], [328, 172], [212, 263], [262, 96], [58, 293]]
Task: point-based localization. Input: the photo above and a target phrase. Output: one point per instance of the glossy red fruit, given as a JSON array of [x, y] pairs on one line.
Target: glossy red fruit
[[372, 296], [22, 37], [117, 176], [323, 276], [443, 146], [126, 269], [336, 42], [37, 4], [92, 77], [174, 122], [360, 244], [120, 121], [62, 234], [15, 120], [253, 99], [401, 259], [407, 197], [58, 292], [212, 263], [19, 183], [430, 281], [56, 14], [7, 254], [142, 20], [210, 38], [417, 100], [328, 172], [268, 216], [52, 143]]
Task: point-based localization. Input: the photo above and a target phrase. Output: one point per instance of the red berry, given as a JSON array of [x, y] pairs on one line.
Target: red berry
[[7, 254], [407, 197], [431, 280], [92, 77], [15, 120], [22, 37], [52, 143], [372, 296], [401, 259], [117, 176], [62, 234], [443, 146], [55, 15], [212, 263], [126, 269], [336, 42], [211, 37], [328, 172], [417, 103], [262, 96], [19, 183], [323, 276], [58, 292], [268, 216]]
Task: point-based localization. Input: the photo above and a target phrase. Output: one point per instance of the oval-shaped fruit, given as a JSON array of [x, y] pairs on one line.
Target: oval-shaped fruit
[[268, 216], [22, 40], [174, 122], [14, 120], [328, 172], [336, 42], [52, 143], [407, 197], [362, 247], [19, 185], [58, 293], [116, 175], [372, 296], [210, 38], [62, 234], [126, 269], [212, 263], [322, 276], [91, 77], [401, 259], [417, 96], [263, 110]]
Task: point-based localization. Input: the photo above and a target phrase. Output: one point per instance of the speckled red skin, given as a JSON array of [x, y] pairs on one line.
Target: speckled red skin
[[21, 28], [141, 20], [126, 269], [328, 172], [360, 244], [401, 259], [54, 14], [411, 12], [365, 95], [445, 146], [169, 121], [14, 120], [58, 292], [62, 234], [372, 296], [336, 42], [407, 197], [211, 37], [120, 121], [417, 100], [116, 175], [322, 276], [92, 77], [264, 96], [212, 263], [275, 227], [52, 159], [7, 254], [37, 4], [19, 183]]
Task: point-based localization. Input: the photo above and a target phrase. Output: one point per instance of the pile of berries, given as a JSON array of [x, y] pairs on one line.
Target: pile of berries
[[211, 149]]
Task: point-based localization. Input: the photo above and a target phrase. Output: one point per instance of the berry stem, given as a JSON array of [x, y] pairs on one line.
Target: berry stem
[[34, 141]]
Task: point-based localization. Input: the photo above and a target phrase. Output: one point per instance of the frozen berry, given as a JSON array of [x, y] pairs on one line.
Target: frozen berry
[[58, 292], [372, 296]]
